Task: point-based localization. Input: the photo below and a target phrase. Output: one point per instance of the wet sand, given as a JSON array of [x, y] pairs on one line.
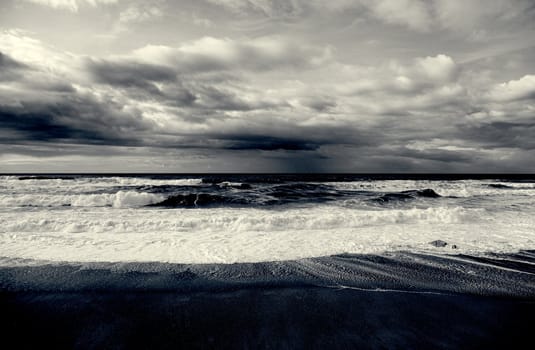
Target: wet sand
[[398, 300]]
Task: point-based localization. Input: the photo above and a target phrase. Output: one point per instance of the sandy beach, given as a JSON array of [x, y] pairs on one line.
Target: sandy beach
[[395, 300]]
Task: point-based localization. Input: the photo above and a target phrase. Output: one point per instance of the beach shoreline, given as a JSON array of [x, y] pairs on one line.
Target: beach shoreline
[[396, 300]]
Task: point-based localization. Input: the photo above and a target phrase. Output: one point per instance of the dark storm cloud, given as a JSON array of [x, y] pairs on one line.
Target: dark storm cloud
[[39, 126], [441, 155], [270, 143], [140, 79], [47, 149], [171, 87], [500, 134], [292, 138], [74, 119]]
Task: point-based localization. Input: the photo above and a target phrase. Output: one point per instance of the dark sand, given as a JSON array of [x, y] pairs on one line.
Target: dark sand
[[398, 300]]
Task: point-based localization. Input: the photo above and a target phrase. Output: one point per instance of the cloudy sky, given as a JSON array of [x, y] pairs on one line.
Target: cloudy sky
[[267, 86]]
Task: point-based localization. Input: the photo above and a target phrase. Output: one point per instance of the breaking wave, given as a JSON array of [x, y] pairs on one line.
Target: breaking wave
[[228, 220], [121, 199]]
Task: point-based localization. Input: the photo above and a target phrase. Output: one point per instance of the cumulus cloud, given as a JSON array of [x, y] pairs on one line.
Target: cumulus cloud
[[514, 90], [25, 49], [209, 53], [425, 85], [440, 68]]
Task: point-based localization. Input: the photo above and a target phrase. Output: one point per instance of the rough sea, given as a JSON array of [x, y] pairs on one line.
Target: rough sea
[[267, 261], [196, 219]]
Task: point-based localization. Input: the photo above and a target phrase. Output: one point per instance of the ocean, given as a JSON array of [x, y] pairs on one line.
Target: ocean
[[267, 261], [254, 218]]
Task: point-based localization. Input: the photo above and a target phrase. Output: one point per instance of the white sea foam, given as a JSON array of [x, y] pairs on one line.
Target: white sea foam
[[226, 235], [120, 199], [228, 220]]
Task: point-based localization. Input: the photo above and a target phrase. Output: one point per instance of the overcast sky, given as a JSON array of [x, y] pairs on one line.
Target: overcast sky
[[267, 86]]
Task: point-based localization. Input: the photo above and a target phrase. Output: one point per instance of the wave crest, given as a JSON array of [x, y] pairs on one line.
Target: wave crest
[[120, 199]]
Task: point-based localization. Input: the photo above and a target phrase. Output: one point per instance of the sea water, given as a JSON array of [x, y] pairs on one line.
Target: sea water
[[246, 218]]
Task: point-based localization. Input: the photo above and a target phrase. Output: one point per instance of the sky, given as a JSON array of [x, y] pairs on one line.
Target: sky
[[197, 86]]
